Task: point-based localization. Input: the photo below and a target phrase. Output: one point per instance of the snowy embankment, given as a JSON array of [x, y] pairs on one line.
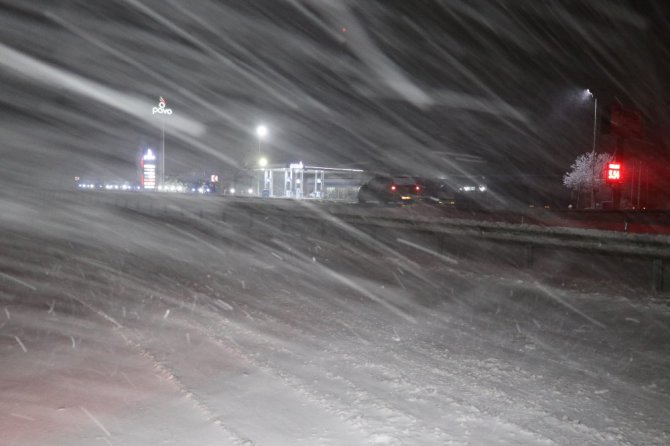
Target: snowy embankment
[[127, 329]]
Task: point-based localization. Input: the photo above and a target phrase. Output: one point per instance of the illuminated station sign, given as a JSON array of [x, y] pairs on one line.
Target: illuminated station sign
[[614, 173], [161, 109], [148, 165]]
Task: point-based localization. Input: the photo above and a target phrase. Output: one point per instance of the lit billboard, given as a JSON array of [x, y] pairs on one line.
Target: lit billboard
[[148, 165]]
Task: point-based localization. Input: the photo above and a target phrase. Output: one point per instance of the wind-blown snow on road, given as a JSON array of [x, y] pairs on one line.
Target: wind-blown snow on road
[[141, 331]]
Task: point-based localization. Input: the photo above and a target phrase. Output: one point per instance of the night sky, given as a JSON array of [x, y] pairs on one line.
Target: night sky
[[422, 87]]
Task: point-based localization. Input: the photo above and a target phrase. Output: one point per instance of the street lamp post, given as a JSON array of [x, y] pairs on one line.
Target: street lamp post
[[593, 153], [261, 133]]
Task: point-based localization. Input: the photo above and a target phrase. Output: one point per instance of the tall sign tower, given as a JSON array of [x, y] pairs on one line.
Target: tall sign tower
[[163, 111], [148, 166]]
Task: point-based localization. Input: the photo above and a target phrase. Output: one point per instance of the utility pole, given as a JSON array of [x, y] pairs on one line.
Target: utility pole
[[593, 154]]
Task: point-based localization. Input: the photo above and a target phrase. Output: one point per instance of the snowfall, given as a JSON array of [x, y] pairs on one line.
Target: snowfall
[[131, 328], [125, 329]]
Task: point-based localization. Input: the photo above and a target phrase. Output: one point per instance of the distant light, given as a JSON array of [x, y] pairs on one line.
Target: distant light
[[482, 188], [193, 189], [207, 190], [250, 191], [261, 131], [393, 188], [263, 162], [149, 155], [344, 29], [232, 190]]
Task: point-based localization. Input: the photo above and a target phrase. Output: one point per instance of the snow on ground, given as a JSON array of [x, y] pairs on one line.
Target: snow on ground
[[128, 330]]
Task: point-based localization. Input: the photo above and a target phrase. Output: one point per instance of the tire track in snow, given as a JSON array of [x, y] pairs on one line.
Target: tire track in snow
[[168, 375], [397, 413], [290, 380], [351, 406], [353, 396]]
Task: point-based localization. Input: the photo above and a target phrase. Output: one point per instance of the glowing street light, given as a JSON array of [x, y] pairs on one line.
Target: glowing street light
[[263, 161], [261, 132]]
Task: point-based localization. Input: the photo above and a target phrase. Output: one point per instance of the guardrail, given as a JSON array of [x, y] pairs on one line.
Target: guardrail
[[636, 248], [525, 245]]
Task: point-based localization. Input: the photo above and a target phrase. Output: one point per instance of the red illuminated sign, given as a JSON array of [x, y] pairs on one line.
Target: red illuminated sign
[[614, 173]]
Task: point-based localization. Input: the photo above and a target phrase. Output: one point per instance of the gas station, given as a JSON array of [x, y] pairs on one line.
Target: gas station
[[302, 181]]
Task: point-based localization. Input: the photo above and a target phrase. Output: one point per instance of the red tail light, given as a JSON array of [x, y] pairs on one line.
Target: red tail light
[[418, 188], [393, 187]]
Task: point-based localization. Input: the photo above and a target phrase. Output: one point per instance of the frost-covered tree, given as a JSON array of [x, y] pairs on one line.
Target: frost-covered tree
[[581, 175]]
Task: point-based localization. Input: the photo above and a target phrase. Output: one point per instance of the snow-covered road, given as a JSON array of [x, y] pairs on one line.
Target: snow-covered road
[[127, 330]]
